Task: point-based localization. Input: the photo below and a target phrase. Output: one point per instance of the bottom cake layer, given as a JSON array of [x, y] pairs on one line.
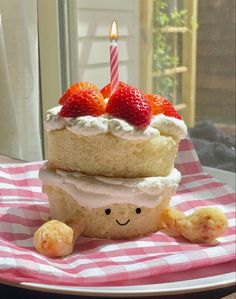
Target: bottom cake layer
[[109, 208]]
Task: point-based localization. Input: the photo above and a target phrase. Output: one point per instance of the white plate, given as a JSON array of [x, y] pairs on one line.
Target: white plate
[[228, 278], [171, 288], [222, 175]]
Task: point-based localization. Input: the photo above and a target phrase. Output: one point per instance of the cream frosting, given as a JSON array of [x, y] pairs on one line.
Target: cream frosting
[[53, 121], [97, 191], [90, 126]]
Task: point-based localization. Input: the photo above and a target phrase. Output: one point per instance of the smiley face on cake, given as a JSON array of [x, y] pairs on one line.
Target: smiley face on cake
[[111, 160], [113, 208]]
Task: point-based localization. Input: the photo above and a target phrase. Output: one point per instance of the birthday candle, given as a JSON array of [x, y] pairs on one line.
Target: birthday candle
[[114, 72]]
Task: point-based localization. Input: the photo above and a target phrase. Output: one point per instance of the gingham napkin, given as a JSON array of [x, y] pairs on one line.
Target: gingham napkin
[[23, 208]]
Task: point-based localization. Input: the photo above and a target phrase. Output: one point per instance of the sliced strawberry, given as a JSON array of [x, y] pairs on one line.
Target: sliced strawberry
[[75, 87], [106, 90], [160, 104], [130, 104], [83, 102]]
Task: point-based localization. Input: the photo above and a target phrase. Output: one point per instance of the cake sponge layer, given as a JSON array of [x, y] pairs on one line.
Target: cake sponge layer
[[108, 207], [115, 221], [111, 156]]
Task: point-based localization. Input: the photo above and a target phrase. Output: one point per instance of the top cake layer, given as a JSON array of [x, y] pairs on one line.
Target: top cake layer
[[112, 147]]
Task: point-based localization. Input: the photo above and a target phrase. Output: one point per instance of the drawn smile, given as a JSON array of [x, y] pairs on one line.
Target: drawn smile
[[122, 224]]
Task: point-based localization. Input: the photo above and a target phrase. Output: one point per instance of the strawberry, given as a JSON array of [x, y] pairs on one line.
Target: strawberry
[[83, 102], [130, 104], [73, 88], [106, 90], [160, 104]]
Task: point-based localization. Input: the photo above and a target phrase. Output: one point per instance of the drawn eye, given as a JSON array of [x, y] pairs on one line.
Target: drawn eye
[[108, 211], [138, 211]]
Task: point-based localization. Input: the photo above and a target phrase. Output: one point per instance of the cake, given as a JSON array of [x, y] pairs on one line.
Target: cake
[[112, 147], [111, 160], [110, 207]]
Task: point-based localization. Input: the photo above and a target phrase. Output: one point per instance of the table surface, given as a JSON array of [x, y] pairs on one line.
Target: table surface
[[9, 292]]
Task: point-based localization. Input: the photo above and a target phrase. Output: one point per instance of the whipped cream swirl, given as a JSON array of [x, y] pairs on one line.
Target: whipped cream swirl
[[90, 126]]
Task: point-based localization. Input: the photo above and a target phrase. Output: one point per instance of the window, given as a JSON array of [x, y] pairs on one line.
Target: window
[[170, 26]]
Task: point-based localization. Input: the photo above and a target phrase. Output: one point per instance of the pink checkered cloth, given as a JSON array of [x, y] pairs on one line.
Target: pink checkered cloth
[[23, 208]]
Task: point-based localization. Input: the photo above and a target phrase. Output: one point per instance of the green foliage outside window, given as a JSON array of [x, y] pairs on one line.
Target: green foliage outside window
[[164, 56]]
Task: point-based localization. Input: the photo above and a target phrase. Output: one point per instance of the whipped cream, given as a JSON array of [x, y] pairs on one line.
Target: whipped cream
[[53, 121], [97, 191], [169, 126], [90, 126]]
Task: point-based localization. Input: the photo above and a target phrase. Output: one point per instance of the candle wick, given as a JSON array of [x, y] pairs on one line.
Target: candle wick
[[113, 42]]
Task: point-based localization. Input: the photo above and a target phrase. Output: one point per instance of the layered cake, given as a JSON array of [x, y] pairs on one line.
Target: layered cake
[[111, 160]]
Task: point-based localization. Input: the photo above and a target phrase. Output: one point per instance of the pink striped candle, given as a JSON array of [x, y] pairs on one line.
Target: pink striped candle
[[114, 73]]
